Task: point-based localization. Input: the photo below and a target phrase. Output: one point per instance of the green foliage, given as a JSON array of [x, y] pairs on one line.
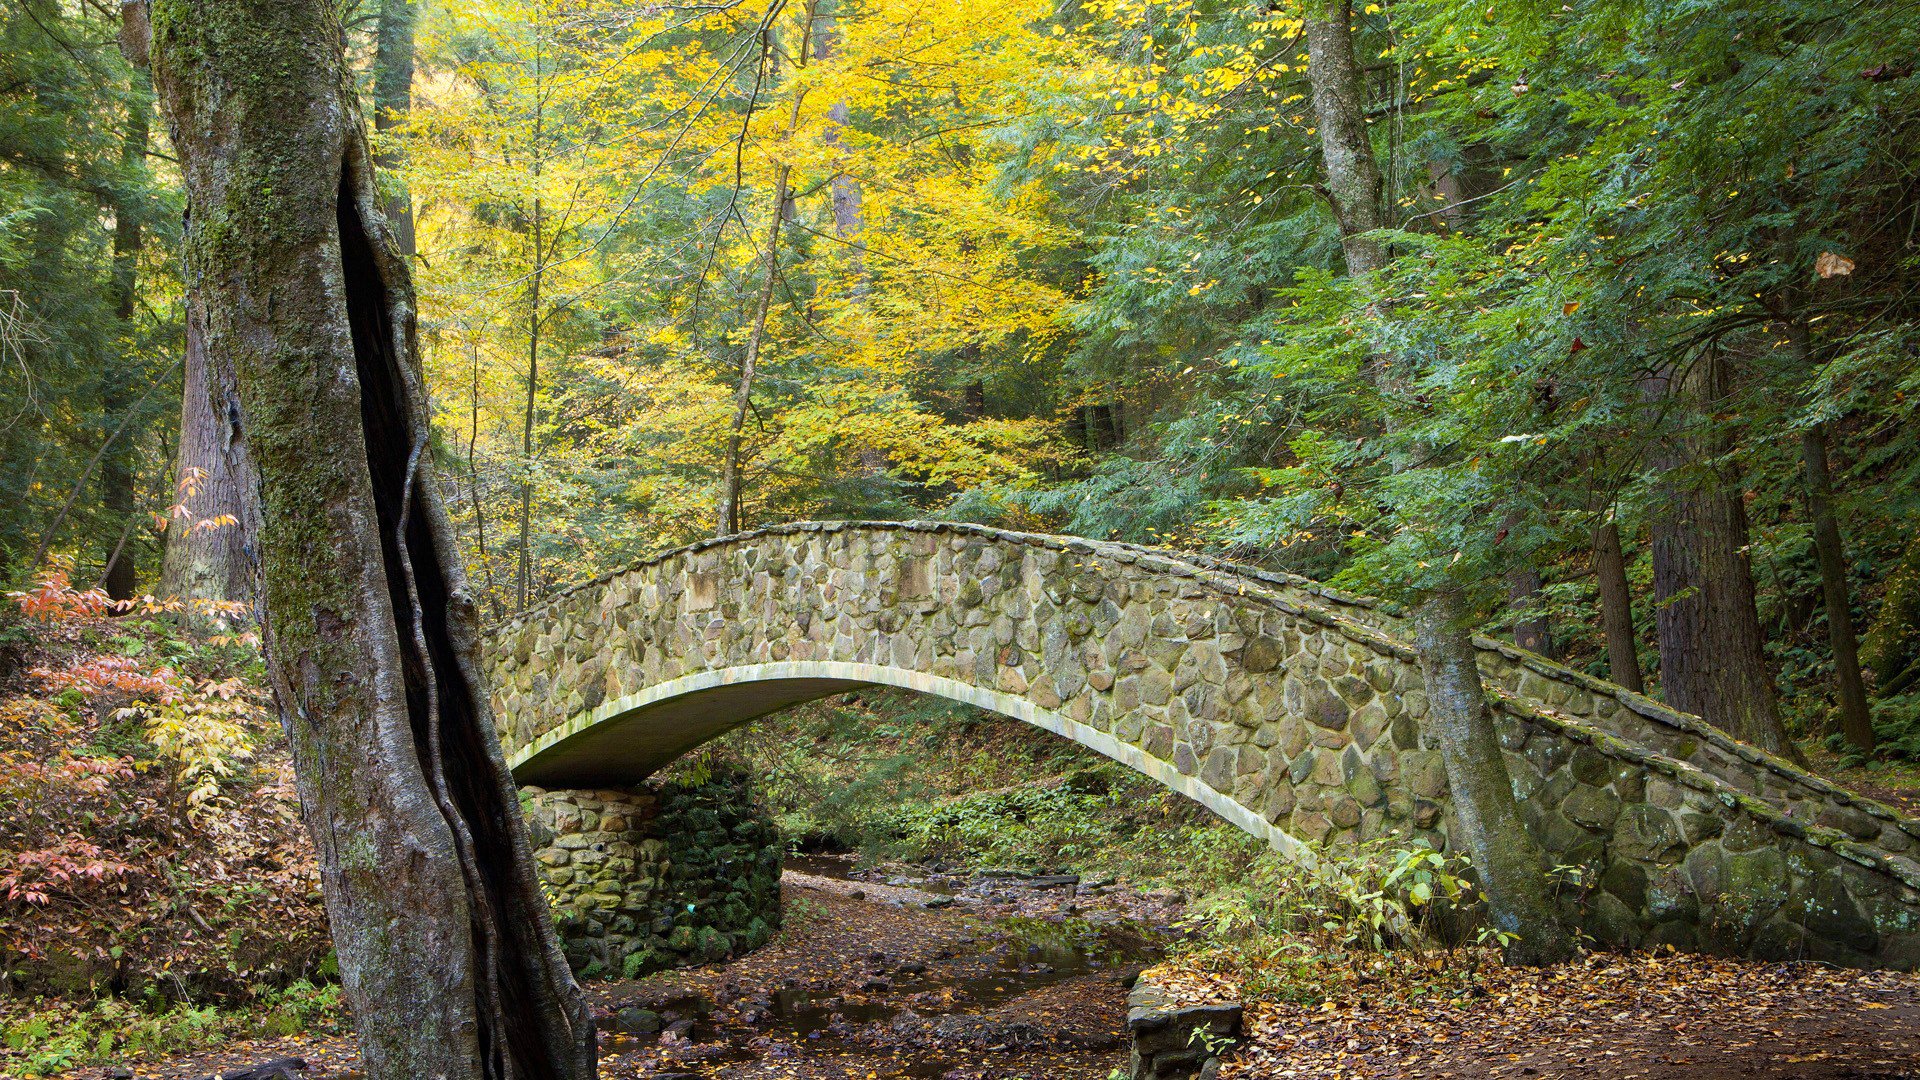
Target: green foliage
[[899, 776], [1896, 730], [47, 1037], [1296, 934], [73, 167]]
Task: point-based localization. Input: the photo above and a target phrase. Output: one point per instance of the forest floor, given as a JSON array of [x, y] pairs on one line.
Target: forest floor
[[1895, 782], [869, 983], [1606, 1017]]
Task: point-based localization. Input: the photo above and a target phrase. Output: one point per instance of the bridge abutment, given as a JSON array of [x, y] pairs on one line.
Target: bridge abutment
[[656, 876]]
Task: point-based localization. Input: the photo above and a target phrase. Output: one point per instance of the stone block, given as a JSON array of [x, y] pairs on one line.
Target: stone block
[[1592, 807], [1425, 772]]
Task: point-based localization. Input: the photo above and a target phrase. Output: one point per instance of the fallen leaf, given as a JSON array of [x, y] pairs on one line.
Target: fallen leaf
[[1829, 265]]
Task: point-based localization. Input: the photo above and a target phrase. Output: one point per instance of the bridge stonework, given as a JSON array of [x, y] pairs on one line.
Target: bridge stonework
[[1291, 710]]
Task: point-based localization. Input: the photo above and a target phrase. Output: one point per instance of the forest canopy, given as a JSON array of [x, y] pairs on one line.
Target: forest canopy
[[1631, 365]]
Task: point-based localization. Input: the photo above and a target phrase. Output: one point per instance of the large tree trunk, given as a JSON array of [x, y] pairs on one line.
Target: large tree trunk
[[446, 949], [1508, 861], [392, 103], [1712, 653], [210, 564], [1526, 592], [1616, 608], [1511, 867]]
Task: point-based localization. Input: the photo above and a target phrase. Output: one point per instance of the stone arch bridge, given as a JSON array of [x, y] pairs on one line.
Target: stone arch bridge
[[1290, 709]]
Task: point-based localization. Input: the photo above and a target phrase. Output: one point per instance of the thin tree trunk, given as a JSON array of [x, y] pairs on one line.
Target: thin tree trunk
[[473, 476], [523, 581], [117, 471], [1856, 722], [524, 578], [729, 515], [392, 103], [1509, 861], [1616, 608], [1712, 652], [446, 948], [728, 518], [1830, 552]]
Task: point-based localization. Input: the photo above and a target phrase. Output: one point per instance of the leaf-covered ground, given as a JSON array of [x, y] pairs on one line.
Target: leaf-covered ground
[[1640, 1017]]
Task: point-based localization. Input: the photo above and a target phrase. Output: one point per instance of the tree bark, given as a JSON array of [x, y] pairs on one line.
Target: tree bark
[[1712, 652], [117, 496], [1513, 877], [1830, 552], [1532, 630], [446, 950], [1509, 863], [728, 517], [392, 104], [1616, 608], [729, 512], [849, 220], [210, 563], [1856, 722], [1354, 187], [523, 586]]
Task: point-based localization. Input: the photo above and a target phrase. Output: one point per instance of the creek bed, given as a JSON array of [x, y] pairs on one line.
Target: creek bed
[[888, 975]]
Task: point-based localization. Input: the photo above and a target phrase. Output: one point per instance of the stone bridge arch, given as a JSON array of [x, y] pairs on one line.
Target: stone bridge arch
[[1294, 711]]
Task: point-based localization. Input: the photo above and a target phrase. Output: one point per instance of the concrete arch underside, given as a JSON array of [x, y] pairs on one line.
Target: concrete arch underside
[[635, 735], [1295, 711]]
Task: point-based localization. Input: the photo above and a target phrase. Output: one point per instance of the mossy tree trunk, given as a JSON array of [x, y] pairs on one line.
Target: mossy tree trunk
[[446, 949], [1509, 861], [1892, 648]]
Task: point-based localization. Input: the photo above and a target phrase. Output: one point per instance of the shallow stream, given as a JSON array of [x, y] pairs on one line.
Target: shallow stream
[[903, 973]]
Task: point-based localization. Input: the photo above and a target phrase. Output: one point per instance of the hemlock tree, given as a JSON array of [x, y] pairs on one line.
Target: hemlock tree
[[1510, 863], [446, 949]]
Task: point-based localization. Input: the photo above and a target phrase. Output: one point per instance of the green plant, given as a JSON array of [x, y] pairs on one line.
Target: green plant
[[45, 1037], [1295, 933]]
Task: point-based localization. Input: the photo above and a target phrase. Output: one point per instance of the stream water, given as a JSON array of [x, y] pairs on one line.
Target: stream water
[[889, 975]]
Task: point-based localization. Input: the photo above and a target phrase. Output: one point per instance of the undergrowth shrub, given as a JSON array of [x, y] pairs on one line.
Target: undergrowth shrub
[[1896, 733], [142, 846], [43, 1037], [1380, 910], [899, 776]]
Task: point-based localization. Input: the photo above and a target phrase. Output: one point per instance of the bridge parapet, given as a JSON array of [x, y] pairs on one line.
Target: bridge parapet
[[1264, 698]]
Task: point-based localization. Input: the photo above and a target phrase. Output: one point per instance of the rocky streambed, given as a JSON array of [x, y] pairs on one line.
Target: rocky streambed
[[903, 973], [981, 975]]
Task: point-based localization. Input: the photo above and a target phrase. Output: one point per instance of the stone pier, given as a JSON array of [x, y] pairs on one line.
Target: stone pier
[[658, 875]]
